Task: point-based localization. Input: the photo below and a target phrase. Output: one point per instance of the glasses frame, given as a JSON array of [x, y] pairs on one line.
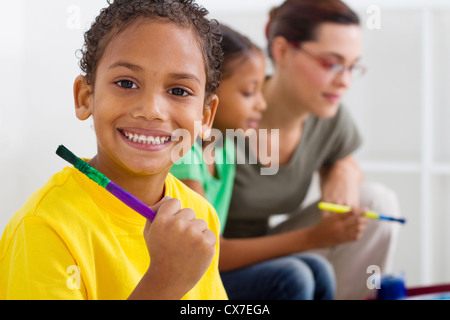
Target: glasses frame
[[331, 67]]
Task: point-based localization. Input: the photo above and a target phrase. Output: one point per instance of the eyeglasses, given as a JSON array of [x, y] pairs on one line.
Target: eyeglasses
[[333, 68]]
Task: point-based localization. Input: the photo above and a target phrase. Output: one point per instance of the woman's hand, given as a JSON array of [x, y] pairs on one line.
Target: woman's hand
[[337, 228]]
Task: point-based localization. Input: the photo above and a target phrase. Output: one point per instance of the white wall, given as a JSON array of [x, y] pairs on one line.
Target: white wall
[[38, 42], [401, 107]]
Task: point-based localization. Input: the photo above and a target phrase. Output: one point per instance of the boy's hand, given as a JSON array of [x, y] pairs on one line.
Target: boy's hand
[[181, 248]]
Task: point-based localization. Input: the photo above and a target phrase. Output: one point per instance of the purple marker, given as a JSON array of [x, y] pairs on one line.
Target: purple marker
[[95, 175]]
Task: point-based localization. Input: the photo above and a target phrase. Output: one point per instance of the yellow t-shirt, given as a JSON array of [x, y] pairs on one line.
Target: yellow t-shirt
[[72, 239]]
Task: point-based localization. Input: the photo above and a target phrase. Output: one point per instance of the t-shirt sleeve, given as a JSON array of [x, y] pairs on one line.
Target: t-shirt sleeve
[[346, 137], [38, 265], [189, 167]]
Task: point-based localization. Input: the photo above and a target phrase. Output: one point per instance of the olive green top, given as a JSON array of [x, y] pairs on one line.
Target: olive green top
[[256, 197]]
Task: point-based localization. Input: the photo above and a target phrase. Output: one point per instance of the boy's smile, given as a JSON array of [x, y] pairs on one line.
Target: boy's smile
[[150, 82], [146, 139]]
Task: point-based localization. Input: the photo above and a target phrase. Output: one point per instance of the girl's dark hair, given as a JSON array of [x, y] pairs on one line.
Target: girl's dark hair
[[297, 20], [121, 13], [236, 48]]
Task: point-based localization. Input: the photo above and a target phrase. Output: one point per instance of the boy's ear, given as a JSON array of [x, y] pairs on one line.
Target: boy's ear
[[209, 112], [82, 93]]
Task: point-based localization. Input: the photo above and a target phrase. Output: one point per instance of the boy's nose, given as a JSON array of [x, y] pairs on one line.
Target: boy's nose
[[151, 107]]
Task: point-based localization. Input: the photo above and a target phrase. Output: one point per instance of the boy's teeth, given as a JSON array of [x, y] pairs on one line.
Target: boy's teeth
[[145, 139]]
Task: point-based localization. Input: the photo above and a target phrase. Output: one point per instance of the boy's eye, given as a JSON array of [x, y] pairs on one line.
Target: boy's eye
[[179, 92], [127, 84]]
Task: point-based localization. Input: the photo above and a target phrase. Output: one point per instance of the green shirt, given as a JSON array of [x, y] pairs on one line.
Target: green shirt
[[218, 188], [256, 197]]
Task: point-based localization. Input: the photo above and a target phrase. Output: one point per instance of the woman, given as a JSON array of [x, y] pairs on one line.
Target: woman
[[315, 47]]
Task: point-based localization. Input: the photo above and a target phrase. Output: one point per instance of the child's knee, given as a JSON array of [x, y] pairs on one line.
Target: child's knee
[[320, 266], [295, 278]]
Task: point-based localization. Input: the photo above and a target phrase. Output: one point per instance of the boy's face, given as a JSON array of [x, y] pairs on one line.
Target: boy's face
[[149, 82]]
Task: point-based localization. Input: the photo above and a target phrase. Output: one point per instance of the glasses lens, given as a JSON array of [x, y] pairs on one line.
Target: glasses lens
[[358, 71]]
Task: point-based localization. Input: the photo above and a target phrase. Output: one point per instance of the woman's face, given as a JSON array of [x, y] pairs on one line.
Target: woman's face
[[312, 68]]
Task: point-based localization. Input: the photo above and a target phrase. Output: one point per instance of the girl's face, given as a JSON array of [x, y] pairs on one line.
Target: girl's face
[[309, 68], [149, 82], [241, 101]]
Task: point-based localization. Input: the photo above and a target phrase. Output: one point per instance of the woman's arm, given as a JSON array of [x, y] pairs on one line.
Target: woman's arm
[[329, 231], [340, 182], [332, 230], [238, 253]]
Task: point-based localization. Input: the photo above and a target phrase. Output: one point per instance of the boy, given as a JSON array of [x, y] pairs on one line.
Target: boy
[[151, 67]]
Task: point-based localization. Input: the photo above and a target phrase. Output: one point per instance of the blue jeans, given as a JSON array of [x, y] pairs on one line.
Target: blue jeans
[[294, 277]]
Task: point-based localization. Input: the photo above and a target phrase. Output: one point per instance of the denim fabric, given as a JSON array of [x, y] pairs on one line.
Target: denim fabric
[[294, 277]]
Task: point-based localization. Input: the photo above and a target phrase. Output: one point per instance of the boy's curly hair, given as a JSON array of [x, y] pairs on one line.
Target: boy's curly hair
[[121, 13]]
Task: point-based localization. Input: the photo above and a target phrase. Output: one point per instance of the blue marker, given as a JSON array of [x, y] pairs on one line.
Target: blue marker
[[369, 214]]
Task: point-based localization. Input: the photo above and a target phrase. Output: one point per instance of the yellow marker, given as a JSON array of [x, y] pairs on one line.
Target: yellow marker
[[342, 209], [334, 207]]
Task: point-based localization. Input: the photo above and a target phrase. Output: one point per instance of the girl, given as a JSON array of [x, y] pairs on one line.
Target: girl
[[151, 67], [241, 105], [315, 47]]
